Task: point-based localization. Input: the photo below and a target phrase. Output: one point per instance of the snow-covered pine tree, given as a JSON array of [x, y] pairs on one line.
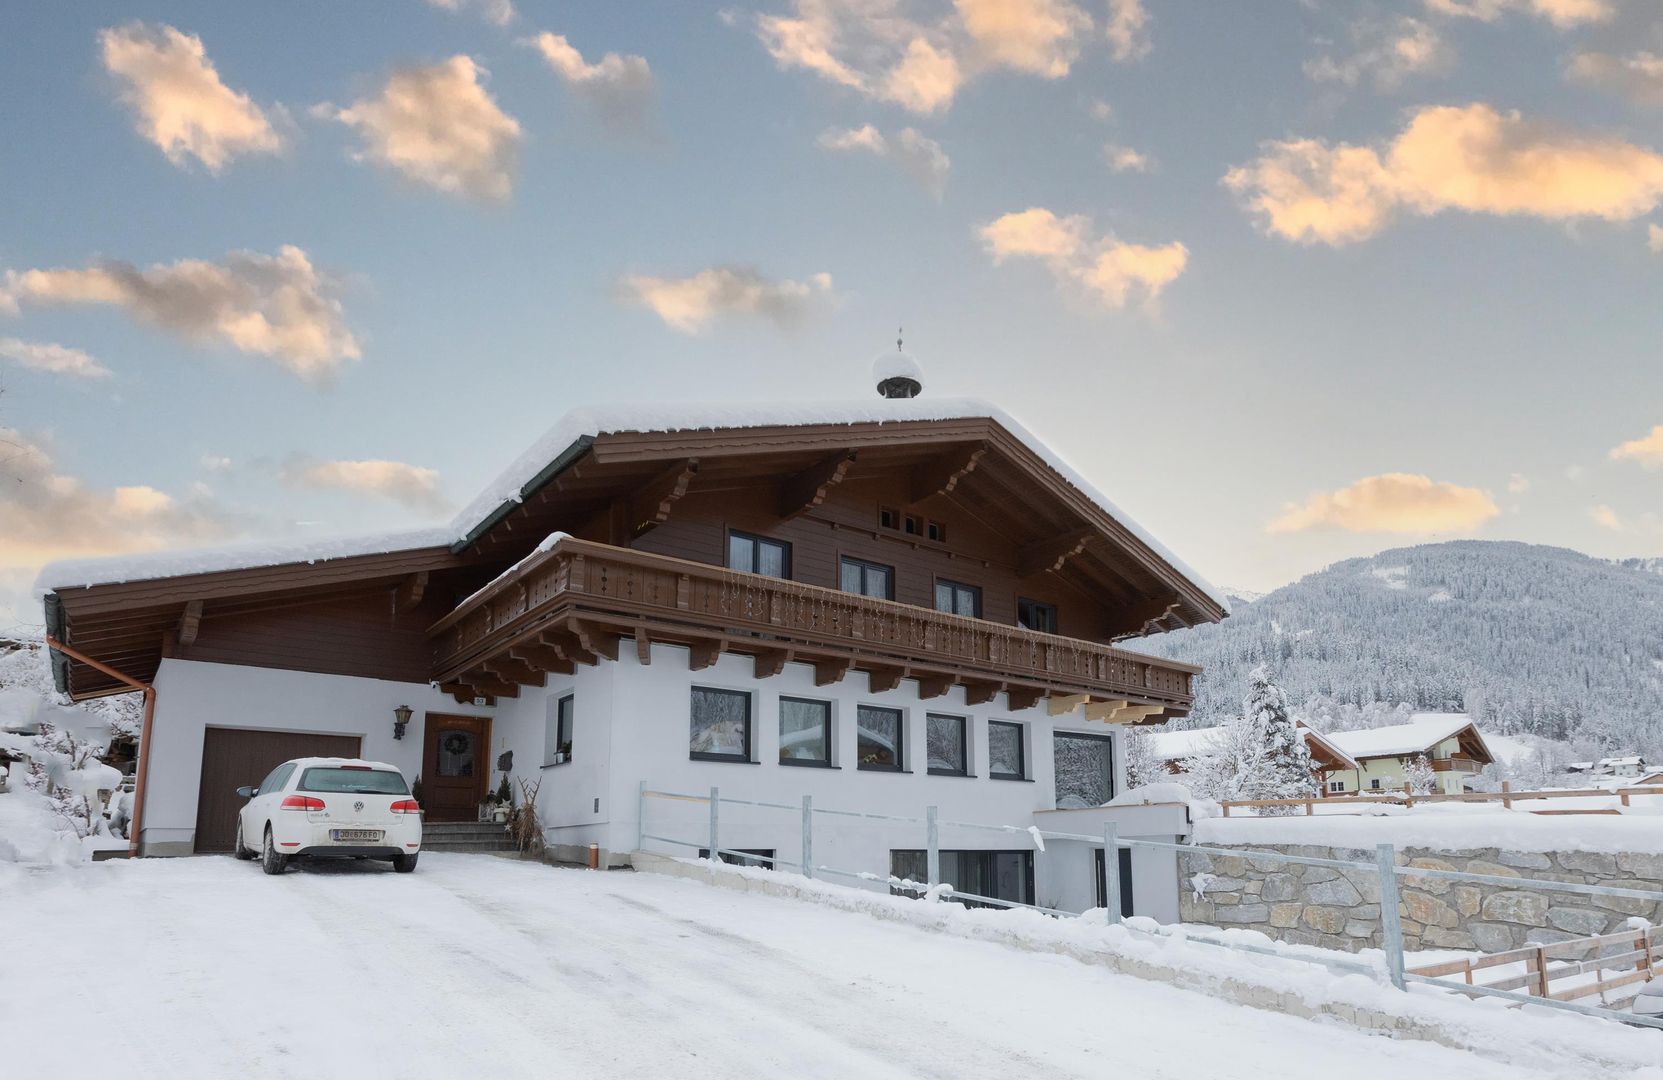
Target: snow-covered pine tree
[[1287, 761], [1143, 767]]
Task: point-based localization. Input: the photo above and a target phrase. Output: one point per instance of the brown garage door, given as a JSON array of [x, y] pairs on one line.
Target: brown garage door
[[232, 757]]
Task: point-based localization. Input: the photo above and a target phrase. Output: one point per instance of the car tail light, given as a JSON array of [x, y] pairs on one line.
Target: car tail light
[[300, 802], [406, 806]]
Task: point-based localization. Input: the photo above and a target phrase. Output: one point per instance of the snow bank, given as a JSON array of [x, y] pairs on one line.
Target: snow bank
[[1168, 792], [509, 485], [31, 832], [1449, 830]]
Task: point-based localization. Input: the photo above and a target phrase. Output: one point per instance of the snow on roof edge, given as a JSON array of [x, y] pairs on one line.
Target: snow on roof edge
[[508, 486]]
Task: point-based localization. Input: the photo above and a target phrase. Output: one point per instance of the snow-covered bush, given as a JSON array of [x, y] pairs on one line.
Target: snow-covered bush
[[1418, 774], [1143, 765]]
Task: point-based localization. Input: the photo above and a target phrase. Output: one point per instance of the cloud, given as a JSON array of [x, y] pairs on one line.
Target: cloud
[[178, 100], [57, 359], [1637, 76], [1518, 483], [277, 306], [1392, 502], [1470, 158], [496, 12], [920, 157], [1646, 451], [1125, 159], [438, 126], [1561, 13], [1386, 55], [52, 515], [1128, 30], [410, 485], [215, 463], [619, 88], [1106, 268], [1607, 518], [877, 47], [690, 304]]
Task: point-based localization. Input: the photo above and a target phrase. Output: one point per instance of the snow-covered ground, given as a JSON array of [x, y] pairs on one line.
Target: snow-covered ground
[[488, 967]]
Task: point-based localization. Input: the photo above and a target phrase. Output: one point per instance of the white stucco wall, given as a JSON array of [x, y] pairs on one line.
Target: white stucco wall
[[192, 696]]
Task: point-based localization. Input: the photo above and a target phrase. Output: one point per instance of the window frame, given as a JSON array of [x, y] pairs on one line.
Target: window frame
[[744, 758], [827, 741], [900, 765], [865, 565], [964, 744], [920, 856], [1108, 740], [756, 540], [1336, 787], [1021, 750], [1037, 605], [975, 592], [565, 717], [763, 858]]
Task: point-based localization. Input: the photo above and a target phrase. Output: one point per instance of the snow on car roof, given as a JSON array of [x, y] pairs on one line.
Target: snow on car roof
[[509, 486], [347, 762]]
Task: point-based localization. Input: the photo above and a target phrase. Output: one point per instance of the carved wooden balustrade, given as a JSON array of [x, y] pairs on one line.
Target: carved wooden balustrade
[[578, 591]]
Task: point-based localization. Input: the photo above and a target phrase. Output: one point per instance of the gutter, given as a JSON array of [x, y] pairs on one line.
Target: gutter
[[567, 458], [61, 653]]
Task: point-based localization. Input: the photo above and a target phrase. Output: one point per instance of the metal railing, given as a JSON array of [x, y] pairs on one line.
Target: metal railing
[[1384, 868], [1380, 797]]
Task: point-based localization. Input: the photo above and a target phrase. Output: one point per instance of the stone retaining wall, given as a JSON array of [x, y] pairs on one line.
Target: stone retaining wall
[[1340, 909]]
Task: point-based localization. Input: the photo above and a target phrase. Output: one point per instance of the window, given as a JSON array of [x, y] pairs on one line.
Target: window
[[889, 518], [1004, 751], [353, 780], [805, 732], [275, 779], [1002, 875], [912, 525], [557, 736], [1084, 769], [867, 578], [1336, 787], [1374, 783], [1036, 616], [878, 742], [721, 728], [956, 599], [763, 857], [759, 555], [936, 531], [944, 742]]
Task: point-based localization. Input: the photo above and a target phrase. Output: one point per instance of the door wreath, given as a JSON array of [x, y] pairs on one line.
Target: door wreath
[[455, 744]]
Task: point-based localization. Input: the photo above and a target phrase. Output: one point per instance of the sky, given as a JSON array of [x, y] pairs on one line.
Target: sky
[[1289, 281]]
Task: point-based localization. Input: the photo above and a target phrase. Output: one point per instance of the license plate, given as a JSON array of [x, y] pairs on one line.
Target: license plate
[[354, 834]]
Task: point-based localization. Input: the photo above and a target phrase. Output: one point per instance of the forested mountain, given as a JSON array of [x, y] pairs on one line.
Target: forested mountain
[[1529, 639]]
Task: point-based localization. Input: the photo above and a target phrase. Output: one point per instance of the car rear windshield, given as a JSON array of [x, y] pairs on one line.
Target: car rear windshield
[[353, 781]]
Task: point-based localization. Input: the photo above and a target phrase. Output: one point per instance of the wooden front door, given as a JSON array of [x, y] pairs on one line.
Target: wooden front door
[[456, 764]]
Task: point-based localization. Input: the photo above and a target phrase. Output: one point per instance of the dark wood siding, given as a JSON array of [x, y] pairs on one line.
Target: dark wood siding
[[349, 636], [233, 757], [847, 524]]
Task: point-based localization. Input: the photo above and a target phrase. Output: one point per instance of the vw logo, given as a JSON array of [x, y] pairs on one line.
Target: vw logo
[[359, 805]]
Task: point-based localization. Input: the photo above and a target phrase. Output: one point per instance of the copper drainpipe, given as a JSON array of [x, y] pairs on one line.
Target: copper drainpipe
[[144, 733]]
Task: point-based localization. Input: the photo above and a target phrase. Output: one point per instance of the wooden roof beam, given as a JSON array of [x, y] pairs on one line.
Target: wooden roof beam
[[980, 693], [542, 658], [881, 679], [831, 671], [1049, 555], [596, 640], [704, 653], [934, 686], [649, 505], [942, 474], [1018, 698], [809, 488], [190, 621], [1150, 613], [409, 592], [770, 662], [1059, 704]]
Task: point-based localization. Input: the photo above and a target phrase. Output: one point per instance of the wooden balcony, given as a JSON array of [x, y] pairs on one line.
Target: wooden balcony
[[576, 602], [1458, 765]]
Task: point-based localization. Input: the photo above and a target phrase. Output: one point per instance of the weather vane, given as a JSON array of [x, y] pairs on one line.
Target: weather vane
[[899, 331]]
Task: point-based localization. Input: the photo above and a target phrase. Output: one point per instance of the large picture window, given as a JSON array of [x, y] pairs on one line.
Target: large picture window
[[759, 555], [805, 732], [1005, 759], [721, 725], [557, 739], [878, 745], [956, 599], [866, 578], [1002, 875], [945, 743], [1084, 769]]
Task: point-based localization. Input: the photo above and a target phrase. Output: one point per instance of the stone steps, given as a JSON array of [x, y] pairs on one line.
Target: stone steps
[[465, 836]]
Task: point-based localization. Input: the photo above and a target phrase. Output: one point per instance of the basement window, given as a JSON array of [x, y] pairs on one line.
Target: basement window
[[763, 857]]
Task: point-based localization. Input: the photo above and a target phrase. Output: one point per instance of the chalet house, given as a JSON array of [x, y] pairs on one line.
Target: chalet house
[[1174, 748], [1627, 766], [1450, 743], [885, 605]]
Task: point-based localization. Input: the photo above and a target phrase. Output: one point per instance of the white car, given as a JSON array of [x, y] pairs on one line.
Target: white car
[[330, 808]]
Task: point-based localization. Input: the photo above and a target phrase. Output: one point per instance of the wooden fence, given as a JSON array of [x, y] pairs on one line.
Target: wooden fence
[[1638, 954], [1506, 797]]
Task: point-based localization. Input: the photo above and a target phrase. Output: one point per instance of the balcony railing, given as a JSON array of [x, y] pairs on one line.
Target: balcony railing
[[625, 593], [1460, 765]]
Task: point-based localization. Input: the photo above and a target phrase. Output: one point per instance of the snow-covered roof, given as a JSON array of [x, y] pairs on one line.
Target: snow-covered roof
[[569, 433], [1178, 745], [1421, 733]]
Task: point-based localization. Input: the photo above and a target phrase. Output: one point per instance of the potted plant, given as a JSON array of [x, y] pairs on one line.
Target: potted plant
[[500, 803]]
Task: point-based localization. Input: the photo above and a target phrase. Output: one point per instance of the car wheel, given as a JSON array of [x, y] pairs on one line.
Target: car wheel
[[403, 864], [241, 849], [271, 862]]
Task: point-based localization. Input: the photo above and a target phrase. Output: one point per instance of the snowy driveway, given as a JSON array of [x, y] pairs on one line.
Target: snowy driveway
[[477, 966]]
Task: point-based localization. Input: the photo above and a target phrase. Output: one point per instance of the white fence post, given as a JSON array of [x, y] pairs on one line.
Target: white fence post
[[1111, 870], [1391, 923], [933, 841], [808, 836], [715, 851]]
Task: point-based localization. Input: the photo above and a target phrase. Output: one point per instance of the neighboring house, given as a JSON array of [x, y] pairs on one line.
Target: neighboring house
[[1653, 777], [886, 605], [1631, 765], [1450, 743], [1174, 748]]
